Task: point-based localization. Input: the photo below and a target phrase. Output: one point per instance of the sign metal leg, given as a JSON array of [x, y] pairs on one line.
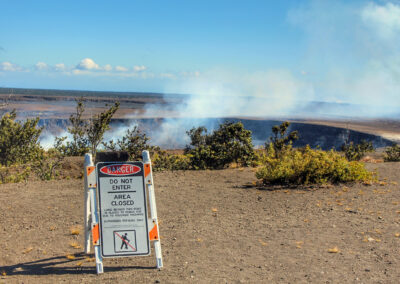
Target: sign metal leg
[[95, 220], [153, 208], [87, 221], [87, 213], [91, 213]]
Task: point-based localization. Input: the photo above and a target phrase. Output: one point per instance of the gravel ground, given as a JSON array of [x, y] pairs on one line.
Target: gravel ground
[[215, 228]]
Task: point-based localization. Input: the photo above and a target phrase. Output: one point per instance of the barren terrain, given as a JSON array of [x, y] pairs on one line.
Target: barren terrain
[[216, 227]]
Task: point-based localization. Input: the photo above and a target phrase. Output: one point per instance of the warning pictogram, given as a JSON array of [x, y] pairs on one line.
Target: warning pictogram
[[125, 241]]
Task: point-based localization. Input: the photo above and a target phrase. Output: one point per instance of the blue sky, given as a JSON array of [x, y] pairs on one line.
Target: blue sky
[[342, 51], [164, 36]]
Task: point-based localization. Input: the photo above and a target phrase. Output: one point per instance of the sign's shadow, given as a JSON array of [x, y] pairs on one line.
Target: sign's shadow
[[60, 265]]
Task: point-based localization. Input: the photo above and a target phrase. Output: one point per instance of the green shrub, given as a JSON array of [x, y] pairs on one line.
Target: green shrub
[[229, 143], [392, 153], [47, 163], [163, 161], [357, 152], [134, 142], [98, 125], [280, 139], [78, 129], [21, 153], [307, 166], [86, 134], [19, 141], [14, 173]]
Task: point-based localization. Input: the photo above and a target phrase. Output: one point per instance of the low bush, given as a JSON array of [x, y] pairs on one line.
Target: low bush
[[79, 145], [231, 142], [87, 135], [281, 140], [98, 125], [357, 152], [47, 164], [163, 161], [308, 166], [19, 141], [392, 153], [14, 174], [134, 142]]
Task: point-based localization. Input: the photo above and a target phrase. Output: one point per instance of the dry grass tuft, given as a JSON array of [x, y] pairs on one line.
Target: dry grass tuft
[[28, 250], [262, 242], [75, 245], [70, 256], [75, 231], [333, 250]]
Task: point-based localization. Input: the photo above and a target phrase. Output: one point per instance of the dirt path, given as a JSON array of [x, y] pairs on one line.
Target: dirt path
[[214, 229]]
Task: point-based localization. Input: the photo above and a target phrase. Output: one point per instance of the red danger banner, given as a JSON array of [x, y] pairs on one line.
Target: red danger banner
[[120, 169]]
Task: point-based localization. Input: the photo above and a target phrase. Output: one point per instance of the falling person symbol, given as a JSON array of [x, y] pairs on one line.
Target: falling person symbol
[[125, 241]]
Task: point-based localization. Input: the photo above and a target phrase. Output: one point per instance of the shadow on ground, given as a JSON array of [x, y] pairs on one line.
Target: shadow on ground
[[261, 187], [59, 265]]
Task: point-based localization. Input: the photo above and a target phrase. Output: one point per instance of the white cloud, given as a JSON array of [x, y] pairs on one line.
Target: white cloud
[[88, 67], [41, 66], [60, 67], [139, 68], [8, 66], [190, 74], [384, 19], [81, 72], [121, 69], [167, 75], [107, 67], [87, 64]]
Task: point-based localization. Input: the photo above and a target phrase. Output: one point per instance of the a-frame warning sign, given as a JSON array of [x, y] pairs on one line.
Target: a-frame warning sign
[[119, 222], [122, 208]]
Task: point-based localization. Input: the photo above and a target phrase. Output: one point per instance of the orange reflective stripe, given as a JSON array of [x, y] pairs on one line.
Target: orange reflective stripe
[[90, 170], [95, 234], [146, 169], [153, 234]]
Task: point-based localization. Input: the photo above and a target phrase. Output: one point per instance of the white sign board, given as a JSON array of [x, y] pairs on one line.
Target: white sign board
[[123, 209]]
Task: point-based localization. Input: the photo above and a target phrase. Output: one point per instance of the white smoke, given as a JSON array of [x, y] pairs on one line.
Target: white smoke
[[219, 93], [353, 55], [118, 131], [48, 139], [350, 69], [350, 62]]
